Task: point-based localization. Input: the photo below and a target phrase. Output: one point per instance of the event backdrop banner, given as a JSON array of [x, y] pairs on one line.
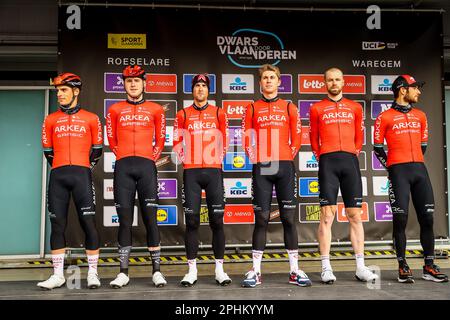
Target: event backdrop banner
[[173, 45]]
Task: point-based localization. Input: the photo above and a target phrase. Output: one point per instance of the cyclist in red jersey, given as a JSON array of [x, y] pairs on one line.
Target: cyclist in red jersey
[[275, 125], [336, 135], [405, 130], [72, 139], [201, 141], [132, 125]]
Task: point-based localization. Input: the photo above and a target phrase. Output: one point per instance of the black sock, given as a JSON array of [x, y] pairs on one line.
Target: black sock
[[156, 257], [429, 261], [401, 262]]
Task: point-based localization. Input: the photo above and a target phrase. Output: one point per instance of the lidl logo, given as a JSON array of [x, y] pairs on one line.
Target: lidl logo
[[187, 83], [167, 215], [236, 161], [127, 41], [309, 187]]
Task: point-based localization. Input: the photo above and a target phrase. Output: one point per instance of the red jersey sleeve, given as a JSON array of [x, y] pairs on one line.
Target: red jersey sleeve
[[96, 132], [314, 131], [223, 127], [247, 132], [160, 133], [379, 132], [47, 129], [111, 129], [178, 131], [295, 124], [423, 129], [359, 128]]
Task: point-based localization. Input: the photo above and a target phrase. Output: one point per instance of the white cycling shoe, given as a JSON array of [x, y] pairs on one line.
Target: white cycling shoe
[[93, 281], [120, 281], [327, 276], [55, 281], [189, 279], [222, 279], [365, 275], [158, 279]]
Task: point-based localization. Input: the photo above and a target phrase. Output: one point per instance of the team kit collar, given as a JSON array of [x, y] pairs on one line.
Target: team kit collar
[[136, 102], [270, 100], [200, 108], [70, 111], [400, 108]]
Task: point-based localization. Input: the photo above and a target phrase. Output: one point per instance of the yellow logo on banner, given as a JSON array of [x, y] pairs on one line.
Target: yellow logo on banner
[[314, 186], [161, 215], [127, 41], [238, 162], [204, 218], [312, 212]]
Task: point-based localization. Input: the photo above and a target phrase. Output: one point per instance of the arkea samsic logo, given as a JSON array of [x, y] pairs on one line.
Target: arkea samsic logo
[[251, 48], [127, 41]]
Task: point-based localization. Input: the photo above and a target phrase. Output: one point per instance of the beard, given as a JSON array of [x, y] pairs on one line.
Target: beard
[[335, 91]]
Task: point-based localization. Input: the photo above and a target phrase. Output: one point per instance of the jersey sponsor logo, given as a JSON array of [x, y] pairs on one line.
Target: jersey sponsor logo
[[383, 211], [237, 83], [113, 82], [342, 217], [187, 83], [251, 48], [406, 125], [170, 107], [235, 108], [75, 128], [200, 125], [272, 117], [111, 219], [382, 84], [160, 83], [304, 106], [235, 135], [309, 187], [309, 213], [109, 162], [307, 161], [167, 215], [376, 164], [134, 117], [237, 162], [338, 115], [167, 188], [364, 187], [237, 188], [127, 41], [380, 186], [314, 83], [378, 106], [239, 214]]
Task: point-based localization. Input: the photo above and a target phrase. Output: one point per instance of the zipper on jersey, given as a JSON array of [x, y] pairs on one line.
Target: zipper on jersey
[[269, 136], [202, 136], [339, 126], [70, 135], [134, 130]]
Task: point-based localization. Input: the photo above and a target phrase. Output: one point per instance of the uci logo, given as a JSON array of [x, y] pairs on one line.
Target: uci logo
[[161, 215]]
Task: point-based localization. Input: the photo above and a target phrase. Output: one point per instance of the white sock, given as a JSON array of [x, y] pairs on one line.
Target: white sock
[[192, 266], [58, 264], [326, 265], [293, 260], [257, 258], [92, 262], [359, 261], [219, 265]]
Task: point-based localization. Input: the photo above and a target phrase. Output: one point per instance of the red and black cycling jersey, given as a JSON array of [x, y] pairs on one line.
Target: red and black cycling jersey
[[70, 137], [200, 136], [271, 130], [131, 129], [336, 126], [405, 131]]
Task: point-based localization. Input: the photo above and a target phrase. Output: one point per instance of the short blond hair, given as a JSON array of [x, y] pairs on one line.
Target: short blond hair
[[269, 67]]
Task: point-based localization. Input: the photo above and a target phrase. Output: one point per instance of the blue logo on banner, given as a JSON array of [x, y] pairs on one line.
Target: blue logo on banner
[[237, 161], [167, 215], [309, 187], [187, 83]]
